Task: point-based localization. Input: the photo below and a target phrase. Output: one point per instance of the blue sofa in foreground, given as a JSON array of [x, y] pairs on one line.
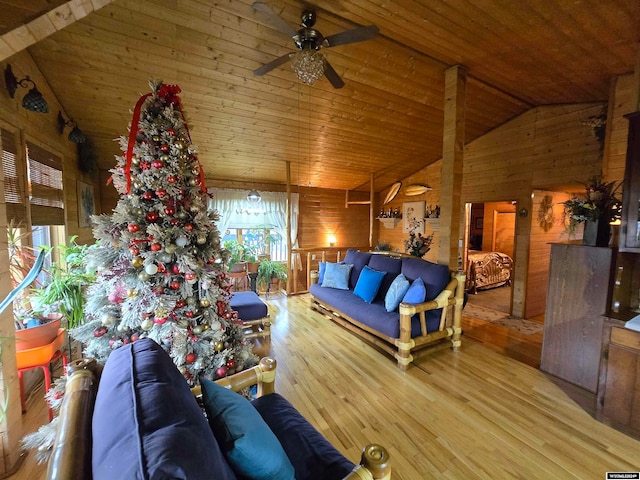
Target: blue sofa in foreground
[[138, 419], [399, 303]]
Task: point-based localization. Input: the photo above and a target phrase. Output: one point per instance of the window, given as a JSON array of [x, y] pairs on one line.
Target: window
[[45, 182], [14, 181], [263, 239]]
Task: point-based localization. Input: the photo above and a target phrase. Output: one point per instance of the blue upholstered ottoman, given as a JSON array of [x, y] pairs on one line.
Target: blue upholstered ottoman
[[253, 312]]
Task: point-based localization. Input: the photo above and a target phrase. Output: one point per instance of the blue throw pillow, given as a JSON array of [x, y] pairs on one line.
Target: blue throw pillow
[[250, 446], [417, 292], [321, 268], [336, 275], [396, 292], [368, 283]]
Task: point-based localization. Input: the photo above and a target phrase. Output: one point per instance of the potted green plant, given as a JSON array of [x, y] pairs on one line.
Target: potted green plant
[[596, 210], [269, 270], [63, 291], [238, 254]]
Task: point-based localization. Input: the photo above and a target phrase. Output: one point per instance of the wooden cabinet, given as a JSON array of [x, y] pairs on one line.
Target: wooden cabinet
[[630, 231], [619, 401], [577, 299]]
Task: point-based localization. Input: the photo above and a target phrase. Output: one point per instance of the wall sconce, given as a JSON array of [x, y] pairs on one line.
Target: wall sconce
[[33, 100], [332, 241], [75, 135]]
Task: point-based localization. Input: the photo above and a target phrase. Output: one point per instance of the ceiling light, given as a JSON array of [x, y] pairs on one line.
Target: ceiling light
[[308, 64], [254, 197], [33, 100]]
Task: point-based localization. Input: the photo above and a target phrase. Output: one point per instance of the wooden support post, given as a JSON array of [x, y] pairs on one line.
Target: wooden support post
[[288, 230], [372, 216], [452, 159]]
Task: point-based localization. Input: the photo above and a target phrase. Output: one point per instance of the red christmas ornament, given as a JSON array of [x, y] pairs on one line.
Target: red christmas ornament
[[161, 193], [174, 221], [188, 227], [171, 131], [156, 247], [133, 227], [180, 304], [171, 179], [170, 211], [190, 358], [175, 268], [174, 285], [164, 148], [144, 165], [151, 216], [161, 268], [231, 363], [160, 321], [227, 315], [157, 164], [159, 290], [189, 314], [147, 195], [135, 337], [100, 331], [134, 251], [189, 276], [222, 371]]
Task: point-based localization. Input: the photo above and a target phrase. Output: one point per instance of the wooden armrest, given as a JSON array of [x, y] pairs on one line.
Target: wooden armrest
[[374, 464], [263, 375], [445, 298]]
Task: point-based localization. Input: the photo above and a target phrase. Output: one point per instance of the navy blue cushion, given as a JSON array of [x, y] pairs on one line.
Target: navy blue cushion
[[358, 260], [434, 275], [312, 456], [336, 275], [150, 426], [391, 265], [416, 292], [368, 283], [396, 292], [372, 314], [248, 305], [247, 441]]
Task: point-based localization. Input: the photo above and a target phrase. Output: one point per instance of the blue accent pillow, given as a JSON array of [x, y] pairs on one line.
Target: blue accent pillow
[[368, 283], [251, 448], [417, 292], [321, 268], [141, 433], [336, 275], [396, 293]]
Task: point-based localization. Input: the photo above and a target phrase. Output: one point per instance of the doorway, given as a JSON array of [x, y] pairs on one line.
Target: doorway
[[489, 257]]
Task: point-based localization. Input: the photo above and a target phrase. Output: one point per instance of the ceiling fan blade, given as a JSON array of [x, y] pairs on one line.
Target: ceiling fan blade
[[267, 67], [332, 75], [359, 34], [273, 19]]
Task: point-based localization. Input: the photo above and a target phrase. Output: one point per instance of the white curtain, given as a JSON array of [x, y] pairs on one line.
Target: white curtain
[[235, 211], [296, 261]]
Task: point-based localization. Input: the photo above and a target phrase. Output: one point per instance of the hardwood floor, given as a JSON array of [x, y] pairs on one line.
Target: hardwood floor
[[474, 414]]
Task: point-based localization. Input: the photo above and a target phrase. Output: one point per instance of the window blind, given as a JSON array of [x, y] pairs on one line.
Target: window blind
[[14, 182], [45, 177]]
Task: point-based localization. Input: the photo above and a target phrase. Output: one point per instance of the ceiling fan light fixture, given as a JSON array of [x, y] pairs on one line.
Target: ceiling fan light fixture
[[254, 197], [308, 64]]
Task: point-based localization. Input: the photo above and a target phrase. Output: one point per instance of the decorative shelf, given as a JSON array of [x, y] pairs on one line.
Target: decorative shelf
[[390, 222]]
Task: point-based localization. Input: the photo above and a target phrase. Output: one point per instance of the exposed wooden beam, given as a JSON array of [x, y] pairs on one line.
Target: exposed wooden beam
[[30, 33]]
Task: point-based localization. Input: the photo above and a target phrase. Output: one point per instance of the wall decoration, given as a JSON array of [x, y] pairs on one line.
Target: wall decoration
[[479, 223], [413, 217], [86, 204], [393, 191]]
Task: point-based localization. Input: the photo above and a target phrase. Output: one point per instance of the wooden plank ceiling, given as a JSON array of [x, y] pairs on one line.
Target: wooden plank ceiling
[[386, 121]]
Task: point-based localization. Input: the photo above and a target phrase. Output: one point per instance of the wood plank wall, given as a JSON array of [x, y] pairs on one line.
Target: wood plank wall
[[540, 249], [618, 126], [41, 129], [430, 176]]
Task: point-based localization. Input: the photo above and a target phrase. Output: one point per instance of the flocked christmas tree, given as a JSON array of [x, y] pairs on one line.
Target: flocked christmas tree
[[158, 255]]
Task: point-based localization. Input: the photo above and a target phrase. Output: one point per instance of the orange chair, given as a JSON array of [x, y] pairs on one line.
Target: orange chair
[[41, 357]]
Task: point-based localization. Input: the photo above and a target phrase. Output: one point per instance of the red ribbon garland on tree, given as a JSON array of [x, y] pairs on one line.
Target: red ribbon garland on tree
[[170, 94]]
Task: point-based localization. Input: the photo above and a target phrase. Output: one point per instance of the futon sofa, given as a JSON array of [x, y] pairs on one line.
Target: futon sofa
[[425, 305], [138, 419]]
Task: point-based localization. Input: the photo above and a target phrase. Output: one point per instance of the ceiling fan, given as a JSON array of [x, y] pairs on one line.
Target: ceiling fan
[[308, 63]]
